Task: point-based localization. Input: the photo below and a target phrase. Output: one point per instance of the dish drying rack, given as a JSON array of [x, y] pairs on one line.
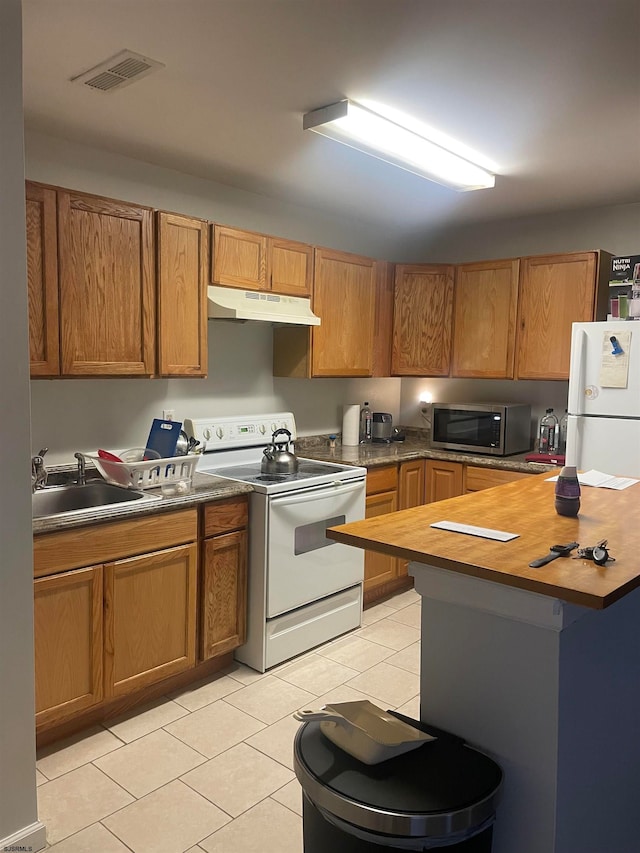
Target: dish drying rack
[[135, 472]]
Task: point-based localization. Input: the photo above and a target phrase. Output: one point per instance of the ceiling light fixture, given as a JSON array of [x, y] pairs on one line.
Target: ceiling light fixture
[[367, 131]]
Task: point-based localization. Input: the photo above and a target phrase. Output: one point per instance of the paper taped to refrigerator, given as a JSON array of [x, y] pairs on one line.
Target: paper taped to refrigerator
[[614, 361]]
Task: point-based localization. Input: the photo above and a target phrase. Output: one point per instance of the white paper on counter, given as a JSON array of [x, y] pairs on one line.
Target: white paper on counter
[[600, 481]]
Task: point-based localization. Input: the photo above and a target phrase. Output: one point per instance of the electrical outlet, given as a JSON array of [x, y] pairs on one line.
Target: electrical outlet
[[168, 414]]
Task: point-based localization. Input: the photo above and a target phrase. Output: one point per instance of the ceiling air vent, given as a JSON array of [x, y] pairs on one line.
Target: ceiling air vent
[[120, 70]]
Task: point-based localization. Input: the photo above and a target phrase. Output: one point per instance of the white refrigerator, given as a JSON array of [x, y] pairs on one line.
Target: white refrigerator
[[603, 430]]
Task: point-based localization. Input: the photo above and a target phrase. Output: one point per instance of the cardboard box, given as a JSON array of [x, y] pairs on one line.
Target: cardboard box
[[625, 269]]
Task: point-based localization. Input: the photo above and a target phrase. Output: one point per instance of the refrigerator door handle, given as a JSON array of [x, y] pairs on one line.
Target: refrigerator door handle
[[574, 441], [577, 378]]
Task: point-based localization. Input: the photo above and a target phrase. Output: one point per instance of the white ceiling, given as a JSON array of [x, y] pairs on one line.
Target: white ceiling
[[548, 89]]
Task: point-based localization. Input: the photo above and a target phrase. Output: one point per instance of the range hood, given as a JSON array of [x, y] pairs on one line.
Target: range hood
[[230, 303]]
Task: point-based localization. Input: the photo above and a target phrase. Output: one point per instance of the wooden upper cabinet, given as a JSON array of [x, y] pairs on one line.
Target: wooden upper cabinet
[[484, 319], [291, 267], [423, 304], [107, 286], [42, 280], [182, 257], [555, 291], [345, 300], [239, 258], [252, 261]]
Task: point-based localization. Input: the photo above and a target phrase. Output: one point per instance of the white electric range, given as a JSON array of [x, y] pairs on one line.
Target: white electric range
[[303, 589]]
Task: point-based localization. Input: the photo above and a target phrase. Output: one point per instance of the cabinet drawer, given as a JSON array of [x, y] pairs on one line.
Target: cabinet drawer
[[477, 479], [100, 543], [224, 516], [383, 479]]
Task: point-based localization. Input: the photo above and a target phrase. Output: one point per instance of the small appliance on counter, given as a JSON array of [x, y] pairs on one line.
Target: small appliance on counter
[[494, 429], [382, 430]]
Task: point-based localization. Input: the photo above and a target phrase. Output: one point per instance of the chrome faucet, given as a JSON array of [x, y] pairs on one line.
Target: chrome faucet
[[81, 478], [38, 471]]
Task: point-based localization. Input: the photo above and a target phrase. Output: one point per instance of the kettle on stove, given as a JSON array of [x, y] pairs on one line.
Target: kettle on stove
[[277, 458]]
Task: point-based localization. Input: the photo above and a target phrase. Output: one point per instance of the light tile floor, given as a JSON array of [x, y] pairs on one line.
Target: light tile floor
[[210, 768]]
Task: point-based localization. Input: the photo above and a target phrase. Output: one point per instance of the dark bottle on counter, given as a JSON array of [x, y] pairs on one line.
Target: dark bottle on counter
[[567, 500]]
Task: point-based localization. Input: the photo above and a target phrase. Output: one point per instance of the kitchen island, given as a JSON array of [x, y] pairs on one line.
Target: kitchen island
[[538, 667]]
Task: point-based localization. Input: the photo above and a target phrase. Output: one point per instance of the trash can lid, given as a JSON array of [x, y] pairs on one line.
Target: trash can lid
[[441, 788]]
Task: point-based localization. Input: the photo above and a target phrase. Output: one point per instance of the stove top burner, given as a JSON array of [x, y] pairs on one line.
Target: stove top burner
[[309, 472]]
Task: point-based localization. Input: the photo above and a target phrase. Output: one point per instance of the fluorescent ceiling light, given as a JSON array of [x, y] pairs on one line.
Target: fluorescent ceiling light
[[367, 131]]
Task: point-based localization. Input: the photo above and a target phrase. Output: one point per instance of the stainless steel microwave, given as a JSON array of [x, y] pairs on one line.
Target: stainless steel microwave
[[495, 429]]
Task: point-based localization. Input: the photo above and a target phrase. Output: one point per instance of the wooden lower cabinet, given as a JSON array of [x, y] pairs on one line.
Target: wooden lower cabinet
[[223, 577], [68, 632], [383, 574], [223, 613], [443, 480], [379, 568], [150, 618], [476, 479]]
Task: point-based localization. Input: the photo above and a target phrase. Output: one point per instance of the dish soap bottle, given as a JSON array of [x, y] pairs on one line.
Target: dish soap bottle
[[366, 424], [547, 436], [567, 492]]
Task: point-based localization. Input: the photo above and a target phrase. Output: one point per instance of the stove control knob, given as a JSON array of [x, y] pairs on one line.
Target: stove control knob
[[262, 429], [274, 426], [219, 432], [206, 433]]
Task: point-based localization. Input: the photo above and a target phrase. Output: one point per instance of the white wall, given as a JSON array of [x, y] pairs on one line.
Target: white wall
[[539, 395], [615, 229], [18, 811]]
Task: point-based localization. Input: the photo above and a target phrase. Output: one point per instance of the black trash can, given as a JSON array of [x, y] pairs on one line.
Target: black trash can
[[441, 796]]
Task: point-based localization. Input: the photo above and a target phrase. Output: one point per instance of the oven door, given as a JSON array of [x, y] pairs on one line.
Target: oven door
[[302, 564]]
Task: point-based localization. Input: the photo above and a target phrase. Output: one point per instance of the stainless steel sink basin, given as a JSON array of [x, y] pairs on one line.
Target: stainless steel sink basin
[[55, 500]]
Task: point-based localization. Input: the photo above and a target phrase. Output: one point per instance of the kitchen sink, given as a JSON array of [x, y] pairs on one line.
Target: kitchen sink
[[55, 500]]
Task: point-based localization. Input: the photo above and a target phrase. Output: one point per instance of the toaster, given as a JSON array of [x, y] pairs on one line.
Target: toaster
[[382, 427]]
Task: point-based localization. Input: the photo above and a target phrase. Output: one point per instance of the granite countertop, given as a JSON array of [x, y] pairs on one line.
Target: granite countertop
[[209, 488], [204, 488], [375, 455]]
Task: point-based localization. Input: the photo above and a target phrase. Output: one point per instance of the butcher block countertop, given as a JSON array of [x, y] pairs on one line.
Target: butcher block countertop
[[525, 507]]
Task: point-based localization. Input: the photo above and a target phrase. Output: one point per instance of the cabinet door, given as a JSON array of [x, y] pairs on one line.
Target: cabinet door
[[476, 479], [239, 258], [150, 618], [291, 266], [485, 306], [411, 483], [182, 295], [107, 287], [443, 480], [422, 316], [344, 298], [223, 612], [411, 493], [379, 568], [42, 280], [68, 643], [555, 291]]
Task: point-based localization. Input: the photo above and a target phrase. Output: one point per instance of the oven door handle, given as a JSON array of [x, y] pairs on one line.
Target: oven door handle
[[318, 493]]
